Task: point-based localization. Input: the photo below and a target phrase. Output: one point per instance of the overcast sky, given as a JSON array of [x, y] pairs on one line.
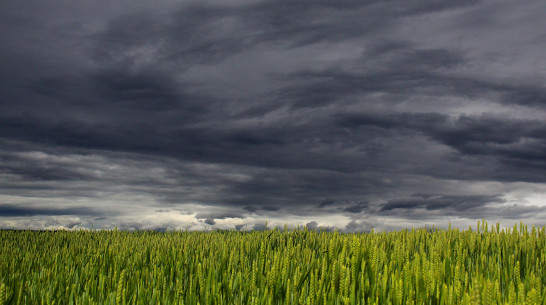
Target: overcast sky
[[338, 114]]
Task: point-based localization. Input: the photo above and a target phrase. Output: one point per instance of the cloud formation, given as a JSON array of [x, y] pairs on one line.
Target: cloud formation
[[204, 115]]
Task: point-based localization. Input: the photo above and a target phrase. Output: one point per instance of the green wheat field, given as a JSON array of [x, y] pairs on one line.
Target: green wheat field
[[483, 265]]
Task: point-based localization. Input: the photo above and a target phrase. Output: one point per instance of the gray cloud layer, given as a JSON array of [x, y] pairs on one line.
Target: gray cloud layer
[[356, 115]]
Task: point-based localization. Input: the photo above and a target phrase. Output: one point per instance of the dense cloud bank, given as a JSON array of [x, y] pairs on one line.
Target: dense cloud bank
[[205, 115]]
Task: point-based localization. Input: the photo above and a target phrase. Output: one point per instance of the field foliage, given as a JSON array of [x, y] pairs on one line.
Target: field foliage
[[484, 265]]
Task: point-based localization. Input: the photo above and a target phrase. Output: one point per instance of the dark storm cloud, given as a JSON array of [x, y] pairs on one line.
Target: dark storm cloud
[[17, 211], [325, 203], [437, 202], [512, 142], [357, 208], [142, 92], [429, 206], [292, 190], [129, 100], [403, 71], [232, 112], [208, 33], [388, 67]]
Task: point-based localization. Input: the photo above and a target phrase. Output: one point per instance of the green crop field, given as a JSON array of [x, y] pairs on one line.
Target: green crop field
[[483, 265]]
